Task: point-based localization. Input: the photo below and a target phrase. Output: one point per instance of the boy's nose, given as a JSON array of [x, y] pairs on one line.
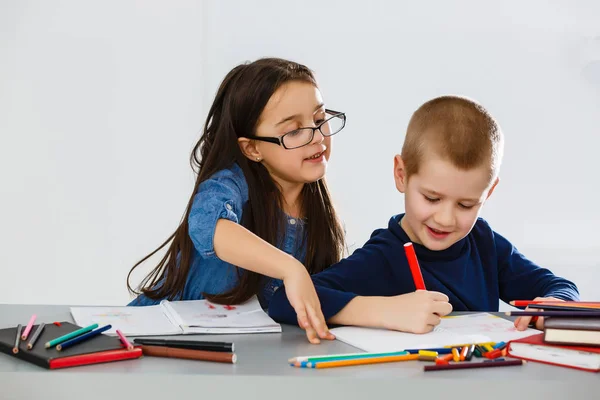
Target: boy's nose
[[444, 218]]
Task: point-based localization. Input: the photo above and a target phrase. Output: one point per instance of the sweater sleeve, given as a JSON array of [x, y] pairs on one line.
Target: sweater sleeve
[[366, 272], [521, 279]]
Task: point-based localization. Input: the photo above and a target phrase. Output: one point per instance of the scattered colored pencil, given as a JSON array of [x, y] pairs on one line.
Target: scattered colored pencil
[[471, 365], [28, 327], [68, 336], [124, 340], [525, 303], [346, 356], [356, 361], [35, 336], [589, 314], [15, 349], [81, 338]]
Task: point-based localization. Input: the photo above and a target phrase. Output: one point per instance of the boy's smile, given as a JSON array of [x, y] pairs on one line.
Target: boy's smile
[[442, 202]]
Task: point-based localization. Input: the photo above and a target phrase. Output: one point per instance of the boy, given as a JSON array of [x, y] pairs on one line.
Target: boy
[[447, 170]]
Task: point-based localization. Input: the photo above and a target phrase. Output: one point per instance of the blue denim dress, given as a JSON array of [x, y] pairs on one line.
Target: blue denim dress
[[224, 195]]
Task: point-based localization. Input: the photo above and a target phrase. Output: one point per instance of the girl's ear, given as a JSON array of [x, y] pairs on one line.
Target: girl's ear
[[399, 174], [249, 149]]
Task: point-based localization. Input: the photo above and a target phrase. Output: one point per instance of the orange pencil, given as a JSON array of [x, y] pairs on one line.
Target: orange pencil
[[443, 360], [463, 353], [358, 361]]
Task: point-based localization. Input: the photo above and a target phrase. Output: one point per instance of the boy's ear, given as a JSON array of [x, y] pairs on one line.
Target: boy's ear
[[492, 188], [249, 149], [399, 174]]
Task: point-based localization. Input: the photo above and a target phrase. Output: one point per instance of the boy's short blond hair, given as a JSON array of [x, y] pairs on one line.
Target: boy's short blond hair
[[457, 129]]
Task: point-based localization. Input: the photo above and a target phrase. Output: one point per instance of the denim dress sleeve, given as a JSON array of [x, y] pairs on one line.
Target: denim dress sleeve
[[223, 195]]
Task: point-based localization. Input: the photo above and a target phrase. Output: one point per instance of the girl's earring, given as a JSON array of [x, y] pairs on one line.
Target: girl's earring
[[257, 158]]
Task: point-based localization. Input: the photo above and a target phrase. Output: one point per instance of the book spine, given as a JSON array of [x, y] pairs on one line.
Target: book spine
[[172, 315], [95, 358]]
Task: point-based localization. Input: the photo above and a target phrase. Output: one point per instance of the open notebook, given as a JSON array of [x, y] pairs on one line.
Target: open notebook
[[453, 330], [179, 318]]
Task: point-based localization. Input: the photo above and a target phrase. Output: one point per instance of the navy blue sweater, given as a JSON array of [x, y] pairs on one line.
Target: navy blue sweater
[[474, 273]]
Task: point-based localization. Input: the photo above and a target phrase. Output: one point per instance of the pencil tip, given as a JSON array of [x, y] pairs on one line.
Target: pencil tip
[[507, 313], [512, 303]]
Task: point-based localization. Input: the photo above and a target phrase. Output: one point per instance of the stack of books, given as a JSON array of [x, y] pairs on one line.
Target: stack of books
[[570, 338]]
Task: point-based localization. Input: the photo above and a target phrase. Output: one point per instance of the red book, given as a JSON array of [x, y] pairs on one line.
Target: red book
[[533, 348], [95, 358]]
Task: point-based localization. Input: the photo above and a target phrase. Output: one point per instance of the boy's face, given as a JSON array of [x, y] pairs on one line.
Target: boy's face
[[442, 202]]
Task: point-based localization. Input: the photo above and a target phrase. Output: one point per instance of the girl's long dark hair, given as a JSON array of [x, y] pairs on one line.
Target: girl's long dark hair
[[235, 112]]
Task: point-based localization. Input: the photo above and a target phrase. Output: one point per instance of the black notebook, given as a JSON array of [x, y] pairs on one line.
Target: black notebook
[[99, 349]]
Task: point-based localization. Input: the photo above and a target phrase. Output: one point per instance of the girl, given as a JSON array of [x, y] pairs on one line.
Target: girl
[[260, 209]]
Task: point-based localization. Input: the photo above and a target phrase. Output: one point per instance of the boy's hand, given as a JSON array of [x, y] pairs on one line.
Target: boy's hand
[[521, 323], [417, 312], [301, 293]]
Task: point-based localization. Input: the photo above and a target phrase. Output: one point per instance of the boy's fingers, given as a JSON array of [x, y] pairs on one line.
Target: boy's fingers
[[433, 320], [437, 296], [523, 323], [440, 308], [539, 324], [516, 323]]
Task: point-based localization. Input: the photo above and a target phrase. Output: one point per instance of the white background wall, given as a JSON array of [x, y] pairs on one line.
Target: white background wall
[[101, 103]]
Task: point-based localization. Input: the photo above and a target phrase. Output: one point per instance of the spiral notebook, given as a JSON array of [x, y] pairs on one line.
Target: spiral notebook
[[180, 318]]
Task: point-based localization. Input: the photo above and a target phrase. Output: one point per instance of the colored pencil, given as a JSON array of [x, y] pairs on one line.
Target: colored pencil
[[190, 354], [413, 263], [439, 350], [28, 327], [455, 354], [15, 349], [225, 347], [556, 307], [82, 338], [470, 351], [468, 344], [347, 356], [124, 340], [473, 365], [589, 314], [357, 361], [525, 303], [68, 336], [35, 336]]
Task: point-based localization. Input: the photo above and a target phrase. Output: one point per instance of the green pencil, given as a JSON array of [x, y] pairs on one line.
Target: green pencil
[[68, 336]]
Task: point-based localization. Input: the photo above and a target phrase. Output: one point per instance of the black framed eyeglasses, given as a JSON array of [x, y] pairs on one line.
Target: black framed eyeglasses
[[303, 136]]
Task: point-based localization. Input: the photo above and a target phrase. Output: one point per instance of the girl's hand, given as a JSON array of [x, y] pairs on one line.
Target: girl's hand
[[301, 293], [521, 323], [417, 312]]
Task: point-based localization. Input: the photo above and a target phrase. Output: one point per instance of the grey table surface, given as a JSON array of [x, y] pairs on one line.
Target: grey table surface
[[262, 372]]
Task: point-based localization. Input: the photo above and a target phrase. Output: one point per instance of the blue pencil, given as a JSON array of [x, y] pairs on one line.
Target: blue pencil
[[439, 350], [83, 337]]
